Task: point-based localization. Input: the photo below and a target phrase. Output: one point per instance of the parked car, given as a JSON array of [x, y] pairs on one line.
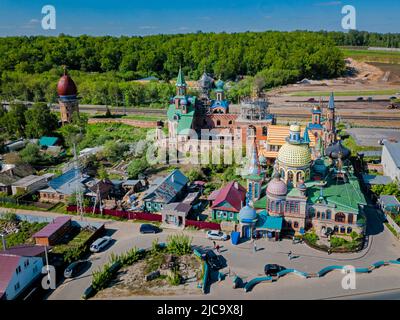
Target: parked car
[[75, 268], [149, 228], [217, 235], [215, 261], [370, 99], [273, 269], [312, 100], [100, 244], [393, 98], [360, 99]]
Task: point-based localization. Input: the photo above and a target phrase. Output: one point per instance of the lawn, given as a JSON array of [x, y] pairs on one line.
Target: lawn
[[141, 117], [372, 55]]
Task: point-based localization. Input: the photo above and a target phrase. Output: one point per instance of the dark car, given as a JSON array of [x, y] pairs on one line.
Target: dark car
[[312, 100], [360, 99], [273, 269], [75, 268], [149, 228], [213, 260]]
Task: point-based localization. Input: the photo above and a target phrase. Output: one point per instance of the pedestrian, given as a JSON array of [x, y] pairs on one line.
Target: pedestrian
[[255, 246], [293, 240], [215, 244], [290, 255], [217, 247]]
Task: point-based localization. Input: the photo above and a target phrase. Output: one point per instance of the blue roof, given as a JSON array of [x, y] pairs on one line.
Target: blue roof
[[68, 182], [247, 214], [314, 126], [48, 141], [268, 222], [166, 190], [219, 104]]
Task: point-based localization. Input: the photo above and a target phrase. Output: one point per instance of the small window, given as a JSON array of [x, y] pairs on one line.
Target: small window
[[295, 224], [16, 286]]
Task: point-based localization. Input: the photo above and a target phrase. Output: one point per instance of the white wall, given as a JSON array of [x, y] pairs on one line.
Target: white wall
[[389, 166], [25, 277]]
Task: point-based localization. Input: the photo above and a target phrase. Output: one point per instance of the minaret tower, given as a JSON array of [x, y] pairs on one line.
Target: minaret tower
[[330, 127], [67, 97], [253, 175]]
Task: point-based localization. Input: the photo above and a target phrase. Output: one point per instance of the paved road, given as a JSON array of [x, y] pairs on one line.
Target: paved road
[[248, 265]]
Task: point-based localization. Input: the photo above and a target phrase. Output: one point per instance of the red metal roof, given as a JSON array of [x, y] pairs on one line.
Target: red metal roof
[[25, 251], [51, 228], [8, 265], [233, 193]]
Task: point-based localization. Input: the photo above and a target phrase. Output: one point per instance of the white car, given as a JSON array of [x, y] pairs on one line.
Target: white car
[[217, 235], [100, 244]]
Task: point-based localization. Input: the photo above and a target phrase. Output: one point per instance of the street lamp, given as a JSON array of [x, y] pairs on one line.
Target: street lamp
[[2, 235]]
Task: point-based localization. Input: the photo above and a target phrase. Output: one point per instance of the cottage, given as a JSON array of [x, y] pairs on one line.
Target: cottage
[[166, 190], [389, 204], [391, 159], [30, 183], [18, 272], [11, 173], [227, 202]]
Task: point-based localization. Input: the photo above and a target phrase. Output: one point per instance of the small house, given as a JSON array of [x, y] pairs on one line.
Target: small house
[[174, 214], [30, 183], [54, 232]]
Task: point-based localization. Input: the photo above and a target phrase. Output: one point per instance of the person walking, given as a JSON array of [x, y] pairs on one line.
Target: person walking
[[217, 248], [254, 246], [290, 255]]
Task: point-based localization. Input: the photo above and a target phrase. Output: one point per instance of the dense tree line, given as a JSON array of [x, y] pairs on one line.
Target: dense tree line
[[104, 67], [365, 39]]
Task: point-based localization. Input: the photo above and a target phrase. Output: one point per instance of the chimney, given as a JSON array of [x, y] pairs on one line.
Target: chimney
[[236, 185]]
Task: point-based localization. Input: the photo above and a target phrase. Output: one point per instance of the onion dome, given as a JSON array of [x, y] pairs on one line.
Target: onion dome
[[220, 84], [66, 86], [184, 101], [295, 155], [277, 187], [295, 128], [247, 214], [337, 151]]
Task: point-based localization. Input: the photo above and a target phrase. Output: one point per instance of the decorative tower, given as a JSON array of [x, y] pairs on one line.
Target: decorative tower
[[180, 84], [67, 97], [316, 115], [330, 134], [205, 84], [219, 91], [253, 175]]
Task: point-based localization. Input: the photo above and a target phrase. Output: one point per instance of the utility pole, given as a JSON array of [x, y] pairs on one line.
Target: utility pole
[[3, 238], [78, 191]]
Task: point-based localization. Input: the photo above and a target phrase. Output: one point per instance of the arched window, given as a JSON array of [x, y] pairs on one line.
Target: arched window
[[323, 216], [349, 230], [342, 230], [265, 131], [318, 214], [295, 224], [218, 122], [311, 212], [230, 122], [336, 229], [340, 217], [290, 176], [350, 218]]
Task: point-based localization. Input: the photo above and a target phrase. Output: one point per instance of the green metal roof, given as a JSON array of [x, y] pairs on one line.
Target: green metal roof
[[180, 81], [185, 120], [268, 222]]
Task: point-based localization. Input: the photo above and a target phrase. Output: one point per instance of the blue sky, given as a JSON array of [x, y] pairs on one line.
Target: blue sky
[[145, 17]]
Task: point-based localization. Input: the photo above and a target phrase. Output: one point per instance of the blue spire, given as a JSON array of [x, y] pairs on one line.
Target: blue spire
[[331, 104], [306, 137], [254, 165]]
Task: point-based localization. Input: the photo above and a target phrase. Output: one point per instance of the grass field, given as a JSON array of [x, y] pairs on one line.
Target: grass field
[[372, 56], [145, 117], [344, 93]]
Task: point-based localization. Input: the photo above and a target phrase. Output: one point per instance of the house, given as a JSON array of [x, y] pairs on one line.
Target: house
[[227, 201], [17, 273], [54, 232], [61, 188], [389, 204], [133, 185], [26, 250], [15, 145], [30, 184], [391, 159], [10, 173], [174, 214], [165, 190]]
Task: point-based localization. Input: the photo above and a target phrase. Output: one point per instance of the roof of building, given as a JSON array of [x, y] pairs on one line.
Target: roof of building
[[247, 214], [27, 181], [338, 150], [331, 104], [346, 196], [67, 183], [180, 81], [294, 155], [52, 228], [389, 201], [8, 265], [167, 188], [277, 186], [66, 86], [178, 207], [233, 193], [185, 120], [25, 250], [394, 150], [376, 179], [48, 141], [265, 221]]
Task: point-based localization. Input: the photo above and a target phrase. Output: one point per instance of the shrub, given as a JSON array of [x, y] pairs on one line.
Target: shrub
[[337, 242], [179, 244], [174, 279], [311, 237]]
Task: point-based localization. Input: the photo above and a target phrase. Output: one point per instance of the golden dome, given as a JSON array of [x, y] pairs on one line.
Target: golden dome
[[294, 155]]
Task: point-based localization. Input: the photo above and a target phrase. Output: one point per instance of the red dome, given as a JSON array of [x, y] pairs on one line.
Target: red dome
[[66, 86]]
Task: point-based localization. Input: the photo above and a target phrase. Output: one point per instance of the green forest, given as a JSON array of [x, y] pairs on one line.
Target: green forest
[[105, 68]]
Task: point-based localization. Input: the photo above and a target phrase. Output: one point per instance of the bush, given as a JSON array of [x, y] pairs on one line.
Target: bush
[[174, 279], [311, 237], [179, 244], [337, 242]]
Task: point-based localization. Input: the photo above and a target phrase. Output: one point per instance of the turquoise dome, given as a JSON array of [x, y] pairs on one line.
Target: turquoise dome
[[219, 84], [247, 213]]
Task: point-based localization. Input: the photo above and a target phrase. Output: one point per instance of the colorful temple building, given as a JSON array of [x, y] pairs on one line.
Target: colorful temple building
[[188, 116], [67, 97]]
